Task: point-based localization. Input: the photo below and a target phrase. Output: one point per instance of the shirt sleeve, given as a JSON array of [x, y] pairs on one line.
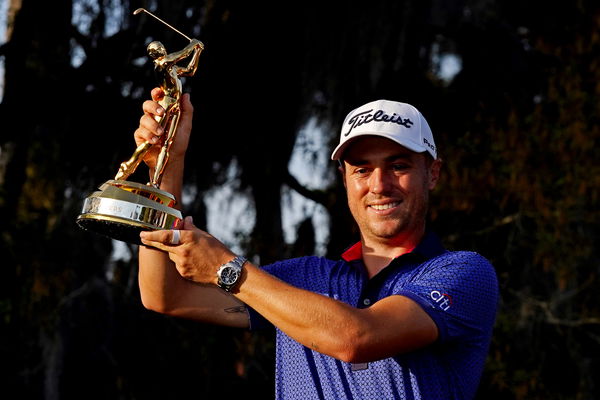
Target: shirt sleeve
[[257, 321], [459, 291]]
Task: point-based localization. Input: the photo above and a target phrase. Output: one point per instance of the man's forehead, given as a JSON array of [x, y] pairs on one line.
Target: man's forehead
[[376, 147]]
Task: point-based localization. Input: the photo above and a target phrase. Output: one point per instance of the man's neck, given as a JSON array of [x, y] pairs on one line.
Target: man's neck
[[377, 254]]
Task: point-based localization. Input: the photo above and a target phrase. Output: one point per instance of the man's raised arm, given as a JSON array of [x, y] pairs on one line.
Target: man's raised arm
[[162, 288]]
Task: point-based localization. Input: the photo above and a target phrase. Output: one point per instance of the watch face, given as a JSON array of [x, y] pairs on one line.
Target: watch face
[[230, 275]]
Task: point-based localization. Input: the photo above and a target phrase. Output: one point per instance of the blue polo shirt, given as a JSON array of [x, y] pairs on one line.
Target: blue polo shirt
[[458, 290]]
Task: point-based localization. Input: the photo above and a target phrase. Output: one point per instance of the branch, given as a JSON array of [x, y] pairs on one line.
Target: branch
[[554, 320], [551, 318], [319, 196]]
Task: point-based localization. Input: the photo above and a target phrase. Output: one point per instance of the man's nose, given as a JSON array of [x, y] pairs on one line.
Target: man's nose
[[379, 181]]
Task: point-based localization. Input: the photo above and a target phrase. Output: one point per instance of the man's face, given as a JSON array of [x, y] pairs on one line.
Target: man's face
[[388, 188]]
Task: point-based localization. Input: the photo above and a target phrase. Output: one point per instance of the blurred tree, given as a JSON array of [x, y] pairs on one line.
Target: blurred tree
[[522, 187]]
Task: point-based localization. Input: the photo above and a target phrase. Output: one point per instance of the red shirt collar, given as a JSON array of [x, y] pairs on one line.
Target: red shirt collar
[[429, 247], [354, 252]]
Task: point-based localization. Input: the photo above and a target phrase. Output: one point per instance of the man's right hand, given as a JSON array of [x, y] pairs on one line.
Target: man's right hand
[[150, 130]]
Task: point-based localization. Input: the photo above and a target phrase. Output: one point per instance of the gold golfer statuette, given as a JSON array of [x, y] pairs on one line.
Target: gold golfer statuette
[[121, 209]]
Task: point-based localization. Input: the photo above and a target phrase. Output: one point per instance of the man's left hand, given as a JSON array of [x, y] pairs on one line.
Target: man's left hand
[[197, 255]]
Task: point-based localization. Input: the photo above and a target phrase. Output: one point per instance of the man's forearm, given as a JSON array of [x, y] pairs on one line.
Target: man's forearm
[[157, 274], [153, 272], [394, 325], [165, 291], [316, 321]]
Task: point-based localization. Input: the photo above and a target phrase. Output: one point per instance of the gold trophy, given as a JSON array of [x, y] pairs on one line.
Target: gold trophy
[[121, 209]]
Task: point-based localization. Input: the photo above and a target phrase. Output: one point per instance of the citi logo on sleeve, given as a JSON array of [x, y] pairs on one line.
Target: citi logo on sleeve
[[443, 300], [379, 116]]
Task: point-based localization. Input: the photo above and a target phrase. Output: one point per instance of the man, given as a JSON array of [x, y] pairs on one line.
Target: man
[[397, 317]]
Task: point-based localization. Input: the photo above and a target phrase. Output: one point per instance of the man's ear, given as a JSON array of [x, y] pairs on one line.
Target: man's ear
[[434, 173]]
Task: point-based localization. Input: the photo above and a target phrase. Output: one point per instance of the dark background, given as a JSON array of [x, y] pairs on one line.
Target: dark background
[[517, 127]]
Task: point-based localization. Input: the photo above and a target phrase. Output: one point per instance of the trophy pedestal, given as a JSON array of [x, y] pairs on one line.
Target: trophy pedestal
[[122, 209]]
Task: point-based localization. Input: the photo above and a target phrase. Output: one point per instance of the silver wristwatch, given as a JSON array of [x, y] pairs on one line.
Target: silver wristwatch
[[229, 273]]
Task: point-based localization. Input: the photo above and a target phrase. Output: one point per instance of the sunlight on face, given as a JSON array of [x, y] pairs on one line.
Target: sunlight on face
[[388, 188]]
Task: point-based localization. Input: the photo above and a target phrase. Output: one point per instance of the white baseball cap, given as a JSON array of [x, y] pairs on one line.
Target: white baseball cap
[[400, 122]]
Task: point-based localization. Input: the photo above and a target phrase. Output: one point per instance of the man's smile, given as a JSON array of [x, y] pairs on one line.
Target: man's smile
[[384, 206]]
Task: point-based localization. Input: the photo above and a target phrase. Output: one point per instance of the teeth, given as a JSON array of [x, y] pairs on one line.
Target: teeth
[[380, 207]]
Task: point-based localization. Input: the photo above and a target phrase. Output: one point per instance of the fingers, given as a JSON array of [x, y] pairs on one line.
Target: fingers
[[160, 239], [168, 239], [157, 94], [197, 255], [152, 108], [149, 129], [188, 223]]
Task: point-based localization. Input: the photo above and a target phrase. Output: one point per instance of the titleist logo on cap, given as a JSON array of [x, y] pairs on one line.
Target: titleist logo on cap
[[399, 122], [379, 116]]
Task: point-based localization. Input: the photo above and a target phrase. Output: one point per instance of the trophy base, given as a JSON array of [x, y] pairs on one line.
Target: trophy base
[[113, 229], [121, 210]]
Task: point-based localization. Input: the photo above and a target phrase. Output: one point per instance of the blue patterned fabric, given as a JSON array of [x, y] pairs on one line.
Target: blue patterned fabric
[[458, 290]]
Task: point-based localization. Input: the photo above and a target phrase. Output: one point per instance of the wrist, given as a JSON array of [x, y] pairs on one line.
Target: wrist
[[229, 274], [171, 180]]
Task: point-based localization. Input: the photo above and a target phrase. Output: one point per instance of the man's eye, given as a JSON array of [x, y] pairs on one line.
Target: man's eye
[[400, 167]]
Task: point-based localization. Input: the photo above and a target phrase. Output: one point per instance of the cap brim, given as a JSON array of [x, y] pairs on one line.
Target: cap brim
[[341, 148]]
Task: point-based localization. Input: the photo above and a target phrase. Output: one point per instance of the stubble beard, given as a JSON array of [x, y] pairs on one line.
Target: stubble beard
[[406, 220]]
